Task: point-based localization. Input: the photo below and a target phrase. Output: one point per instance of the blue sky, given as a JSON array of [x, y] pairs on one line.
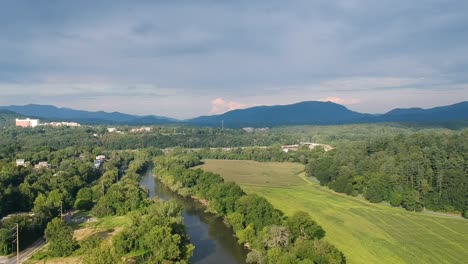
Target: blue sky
[[189, 58]]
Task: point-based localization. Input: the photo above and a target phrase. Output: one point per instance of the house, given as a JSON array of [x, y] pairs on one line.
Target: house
[[101, 157], [97, 163], [60, 124], [141, 129], [42, 164], [20, 162], [287, 148], [27, 122], [111, 129], [314, 145]]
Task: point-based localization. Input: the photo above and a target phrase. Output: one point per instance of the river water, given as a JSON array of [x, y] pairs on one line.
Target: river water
[[214, 241]]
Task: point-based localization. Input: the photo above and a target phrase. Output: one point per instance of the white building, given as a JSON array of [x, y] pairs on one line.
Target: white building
[[27, 122]]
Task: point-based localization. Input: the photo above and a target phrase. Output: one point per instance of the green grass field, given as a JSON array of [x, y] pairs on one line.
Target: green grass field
[[365, 232]]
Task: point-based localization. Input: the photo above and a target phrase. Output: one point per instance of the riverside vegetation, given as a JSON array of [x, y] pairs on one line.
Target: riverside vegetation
[[272, 237]]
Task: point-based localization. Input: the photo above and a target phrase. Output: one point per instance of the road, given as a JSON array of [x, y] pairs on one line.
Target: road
[[36, 246], [25, 254]]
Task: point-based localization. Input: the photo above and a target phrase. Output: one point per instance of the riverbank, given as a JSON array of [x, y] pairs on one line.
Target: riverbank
[[213, 239]]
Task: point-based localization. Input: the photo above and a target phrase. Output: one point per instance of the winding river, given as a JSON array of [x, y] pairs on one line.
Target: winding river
[[214, 241]]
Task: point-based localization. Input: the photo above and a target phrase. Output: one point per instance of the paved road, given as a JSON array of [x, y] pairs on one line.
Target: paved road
[[25, 254]]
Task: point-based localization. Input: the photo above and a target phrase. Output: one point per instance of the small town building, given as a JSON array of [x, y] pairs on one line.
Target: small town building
[[141, 129], [42, 165], [287, 148], [20, 162], [61, 124], [27, 122], [97, 163], [101, 157]]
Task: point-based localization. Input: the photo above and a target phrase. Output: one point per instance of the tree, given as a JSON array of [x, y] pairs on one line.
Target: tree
[[103, 254], [255, 257], [376, 189], [465, 213], [277, 236], [60, 238], [246, 235], [257, 211], [84, 199], [303, 227]]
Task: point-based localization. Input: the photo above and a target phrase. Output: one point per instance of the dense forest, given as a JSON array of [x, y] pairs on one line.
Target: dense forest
[[271, 236], [422, 170]]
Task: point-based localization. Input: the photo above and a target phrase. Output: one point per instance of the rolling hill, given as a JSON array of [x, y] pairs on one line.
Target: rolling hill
[[303, 113], [455, 112], [54, 113], [7, 118]]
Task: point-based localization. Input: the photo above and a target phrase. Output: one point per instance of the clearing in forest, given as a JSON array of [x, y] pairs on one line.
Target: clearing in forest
[[365, 232]]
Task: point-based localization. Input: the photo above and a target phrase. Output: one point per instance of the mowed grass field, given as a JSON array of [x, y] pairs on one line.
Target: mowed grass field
[[365, 232]]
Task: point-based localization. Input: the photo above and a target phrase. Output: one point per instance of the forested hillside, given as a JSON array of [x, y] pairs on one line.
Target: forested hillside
[[423, 170], [7, 118]]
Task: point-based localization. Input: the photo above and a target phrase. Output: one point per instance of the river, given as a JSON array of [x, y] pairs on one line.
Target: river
[[214, 241]]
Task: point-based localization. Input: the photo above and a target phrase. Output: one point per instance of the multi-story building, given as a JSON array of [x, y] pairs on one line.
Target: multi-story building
[[27, 122]]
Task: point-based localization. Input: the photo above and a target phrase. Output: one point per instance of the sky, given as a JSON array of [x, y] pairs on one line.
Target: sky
[[188, 58]]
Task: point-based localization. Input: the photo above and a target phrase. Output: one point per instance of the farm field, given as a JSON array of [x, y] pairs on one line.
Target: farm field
[[365, 232]]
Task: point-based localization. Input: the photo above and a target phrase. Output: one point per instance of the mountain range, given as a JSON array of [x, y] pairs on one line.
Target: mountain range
[[303, 113], [53, 113]]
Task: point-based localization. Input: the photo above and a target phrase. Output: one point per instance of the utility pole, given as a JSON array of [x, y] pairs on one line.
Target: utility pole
[[17, 244]]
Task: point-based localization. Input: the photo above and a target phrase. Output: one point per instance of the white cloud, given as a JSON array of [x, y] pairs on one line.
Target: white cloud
[[339, 100], [220, 106]]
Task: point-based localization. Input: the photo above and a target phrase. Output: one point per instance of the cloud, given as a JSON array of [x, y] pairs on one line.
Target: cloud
[[339, 100], [220, 106], [254, 52]]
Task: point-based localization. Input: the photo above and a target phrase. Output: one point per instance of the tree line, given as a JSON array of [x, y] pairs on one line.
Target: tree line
[[422, 170]]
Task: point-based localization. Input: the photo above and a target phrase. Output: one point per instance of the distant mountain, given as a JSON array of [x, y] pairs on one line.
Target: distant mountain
[[451, 113], [54, 113], [7, 118], [303, 113]]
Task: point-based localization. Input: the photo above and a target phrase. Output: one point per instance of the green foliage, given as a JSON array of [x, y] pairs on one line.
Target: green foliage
[[30, 230], [257, 211], [302, 227], [59, 236], [318, 251], [256, 257], [424, 169], [103, 254], [159, 234]]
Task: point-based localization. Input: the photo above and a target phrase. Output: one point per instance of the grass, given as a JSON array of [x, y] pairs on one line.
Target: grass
[[365, 232], [273, 174], [105, 227]]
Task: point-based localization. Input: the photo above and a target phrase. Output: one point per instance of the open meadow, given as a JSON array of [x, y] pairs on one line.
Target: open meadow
[[365, 232]]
